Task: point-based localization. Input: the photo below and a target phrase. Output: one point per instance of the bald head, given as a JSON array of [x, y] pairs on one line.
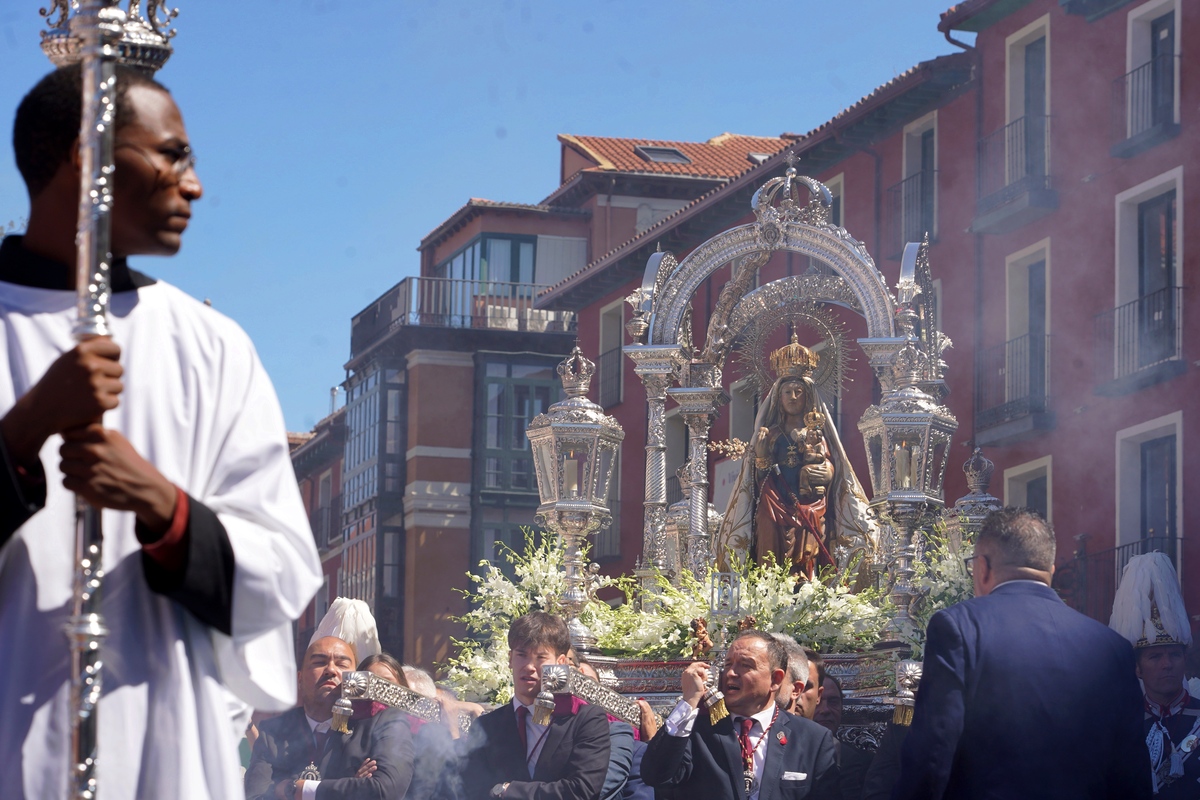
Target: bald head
[[319, 681]]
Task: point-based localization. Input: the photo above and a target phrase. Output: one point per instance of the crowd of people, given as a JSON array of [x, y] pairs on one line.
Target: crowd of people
[[209, 559]]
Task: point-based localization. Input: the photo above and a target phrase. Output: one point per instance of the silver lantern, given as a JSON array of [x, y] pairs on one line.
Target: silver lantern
[[575, 446]]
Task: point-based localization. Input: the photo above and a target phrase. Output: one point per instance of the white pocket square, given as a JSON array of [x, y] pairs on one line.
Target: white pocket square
[[795, 776]]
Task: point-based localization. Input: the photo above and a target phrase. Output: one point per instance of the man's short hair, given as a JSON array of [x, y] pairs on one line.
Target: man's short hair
[[539, 629], [777, 656], [47, 121], [818, 662], [1022, 538], [797, 663]]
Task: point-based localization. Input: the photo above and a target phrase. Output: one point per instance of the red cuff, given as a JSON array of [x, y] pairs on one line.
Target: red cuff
[[169, 551]]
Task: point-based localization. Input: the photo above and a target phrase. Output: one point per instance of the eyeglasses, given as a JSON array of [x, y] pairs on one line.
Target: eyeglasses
[[969, 564], [181, 159]]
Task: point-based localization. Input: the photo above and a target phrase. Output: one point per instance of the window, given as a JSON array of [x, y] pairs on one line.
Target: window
[[677, 452], [501, 525], [1029, 485], [1146, 98], [611, 366], [513, 394], [743, 405], [1026, 351], [608, 538], [1140, 339], [1149, 489], [836, 186], [362, 438], [912, 203], [492, 257], [1026, 137], [662, 155]]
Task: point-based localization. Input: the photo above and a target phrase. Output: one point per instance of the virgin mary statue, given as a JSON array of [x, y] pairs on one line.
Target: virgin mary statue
[[796, 496]]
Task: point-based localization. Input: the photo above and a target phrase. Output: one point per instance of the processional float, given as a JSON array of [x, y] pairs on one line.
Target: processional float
[[96, 34], [906, 435]]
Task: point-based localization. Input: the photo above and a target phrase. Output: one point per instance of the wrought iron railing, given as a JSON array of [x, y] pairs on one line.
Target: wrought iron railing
[[608, 538], [910, 209], [1144, 97], [453, 303], [1014, 159], [1012, 380], [1088, 582], [1138, 335], [610, 377]]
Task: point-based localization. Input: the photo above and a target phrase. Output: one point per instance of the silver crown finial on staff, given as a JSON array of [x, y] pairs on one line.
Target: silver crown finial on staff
[[144, 42]]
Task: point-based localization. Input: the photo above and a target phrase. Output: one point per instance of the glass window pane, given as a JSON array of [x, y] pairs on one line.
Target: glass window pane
[[526, 273], [499, 259], [497, 370]]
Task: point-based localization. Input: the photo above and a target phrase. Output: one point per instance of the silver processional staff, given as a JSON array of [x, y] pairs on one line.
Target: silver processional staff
[[98, 36]]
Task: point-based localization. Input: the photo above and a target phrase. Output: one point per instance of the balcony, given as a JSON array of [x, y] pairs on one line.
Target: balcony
[[1088, 582], [610, 377], [910, 211], [1140, 343], [1014, 177], [1143, 107], [454, 303], [1012, 402]]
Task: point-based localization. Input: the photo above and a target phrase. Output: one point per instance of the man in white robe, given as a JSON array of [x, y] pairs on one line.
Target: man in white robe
[[207, 551]]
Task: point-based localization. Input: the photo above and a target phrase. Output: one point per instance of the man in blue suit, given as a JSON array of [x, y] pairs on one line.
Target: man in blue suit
[[1023, 698]]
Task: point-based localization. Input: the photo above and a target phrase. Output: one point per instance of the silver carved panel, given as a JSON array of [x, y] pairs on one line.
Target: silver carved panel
[[565, 679]]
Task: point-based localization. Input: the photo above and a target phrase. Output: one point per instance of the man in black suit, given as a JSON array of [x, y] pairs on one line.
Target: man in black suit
[[778, 754], [301, 740], [508, 754], [1022, 697]]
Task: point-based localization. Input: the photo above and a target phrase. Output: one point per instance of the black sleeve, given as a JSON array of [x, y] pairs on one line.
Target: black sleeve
[[258, 779], [588, 765], [204, 585], [668, 759], [826, 784], [885, 767], [20, 498], [391, 747]]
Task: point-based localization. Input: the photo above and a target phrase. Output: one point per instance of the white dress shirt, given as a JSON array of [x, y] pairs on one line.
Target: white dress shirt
[[681, 719], [318, 728], [535, 737]]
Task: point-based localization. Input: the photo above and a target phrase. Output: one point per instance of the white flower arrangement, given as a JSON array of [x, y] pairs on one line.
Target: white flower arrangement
[[940, 579], [823, 614]]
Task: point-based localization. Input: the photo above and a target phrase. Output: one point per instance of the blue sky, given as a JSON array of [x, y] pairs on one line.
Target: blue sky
[[332, 135]]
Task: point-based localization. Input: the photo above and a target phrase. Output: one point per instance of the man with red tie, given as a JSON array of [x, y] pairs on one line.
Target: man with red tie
[[759, 752], [509, 754]]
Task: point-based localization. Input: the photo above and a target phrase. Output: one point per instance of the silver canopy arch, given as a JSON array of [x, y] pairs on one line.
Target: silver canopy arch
[[792, 214]]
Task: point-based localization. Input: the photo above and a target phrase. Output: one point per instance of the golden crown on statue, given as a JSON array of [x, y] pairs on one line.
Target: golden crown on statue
[[794, 359]]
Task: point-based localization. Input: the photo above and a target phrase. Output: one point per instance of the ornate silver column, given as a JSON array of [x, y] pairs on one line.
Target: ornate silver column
[[698, 406], [656, 366]]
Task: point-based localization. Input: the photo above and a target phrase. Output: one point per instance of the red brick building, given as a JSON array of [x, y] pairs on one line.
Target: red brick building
[[1047, 163]]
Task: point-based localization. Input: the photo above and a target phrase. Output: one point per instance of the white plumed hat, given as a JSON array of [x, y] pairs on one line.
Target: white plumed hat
[[1148, 608], [352, 622]]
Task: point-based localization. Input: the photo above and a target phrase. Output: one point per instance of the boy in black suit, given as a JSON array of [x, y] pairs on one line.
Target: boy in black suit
[[759, 752], [510, 755]]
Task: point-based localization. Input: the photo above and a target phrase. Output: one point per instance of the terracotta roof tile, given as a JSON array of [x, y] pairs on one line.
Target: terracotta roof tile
[[799, 141], [725, 156]]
